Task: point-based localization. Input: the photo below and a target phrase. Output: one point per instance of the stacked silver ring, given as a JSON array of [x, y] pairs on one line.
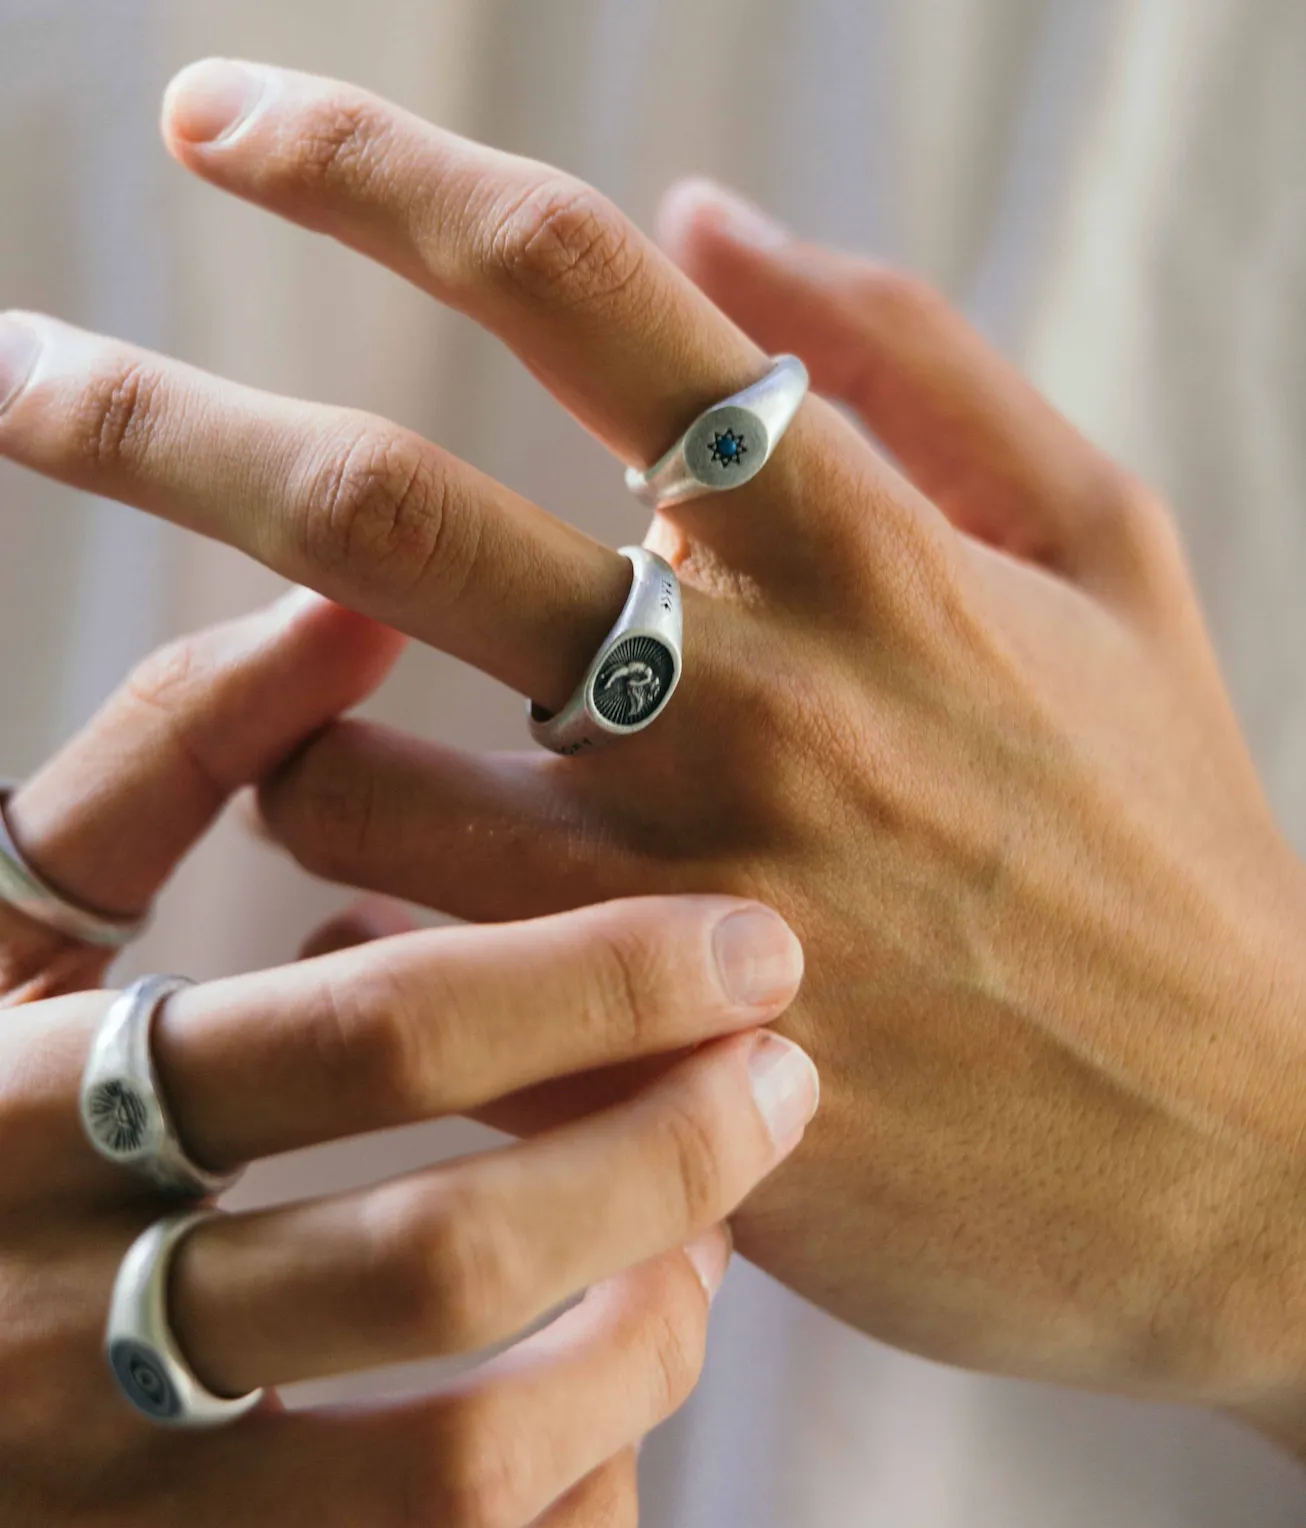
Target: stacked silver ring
[[128, 1123], [638, 666]]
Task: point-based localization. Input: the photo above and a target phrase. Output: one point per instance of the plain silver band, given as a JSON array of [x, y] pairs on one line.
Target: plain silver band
[[652, 611], [758, 417], [150, 1368], [23, 890], [123, 1112]]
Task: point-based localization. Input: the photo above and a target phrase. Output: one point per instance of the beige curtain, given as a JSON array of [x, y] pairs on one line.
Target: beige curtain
[[1115, 188]]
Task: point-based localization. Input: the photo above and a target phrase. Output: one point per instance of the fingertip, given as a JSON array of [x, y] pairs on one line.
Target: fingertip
[[684, 204], [210, 102], [698, 211]]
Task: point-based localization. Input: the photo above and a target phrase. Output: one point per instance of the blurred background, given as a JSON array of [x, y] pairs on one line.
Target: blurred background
[[1114, 189]]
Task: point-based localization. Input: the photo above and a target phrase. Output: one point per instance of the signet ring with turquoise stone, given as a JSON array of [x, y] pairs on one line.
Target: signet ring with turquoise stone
[[728, 444]]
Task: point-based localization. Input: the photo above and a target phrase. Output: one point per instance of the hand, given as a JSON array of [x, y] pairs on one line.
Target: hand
[[627, 1201], [958, 719]]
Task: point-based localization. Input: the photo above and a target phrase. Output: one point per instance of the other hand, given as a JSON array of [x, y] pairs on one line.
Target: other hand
[[625, 1204]]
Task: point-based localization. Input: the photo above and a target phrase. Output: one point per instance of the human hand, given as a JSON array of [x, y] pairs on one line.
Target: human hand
[[626, 1202], [959, 721]]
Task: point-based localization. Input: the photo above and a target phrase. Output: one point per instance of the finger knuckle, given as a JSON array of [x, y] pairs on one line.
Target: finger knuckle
[[177, 685], [676, 1343], [901, 299], [567, 244], [697, 1168], [377, 512], [674, 1340], [627, 974], [449, 1279], [164, 680], [115, 419], [339, 147], [363, 1044]]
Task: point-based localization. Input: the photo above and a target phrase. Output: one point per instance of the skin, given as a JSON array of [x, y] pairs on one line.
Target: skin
[[957, 717], [619, 1210]]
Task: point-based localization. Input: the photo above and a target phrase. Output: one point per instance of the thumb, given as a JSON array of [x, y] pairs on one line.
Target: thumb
[[964, 425]]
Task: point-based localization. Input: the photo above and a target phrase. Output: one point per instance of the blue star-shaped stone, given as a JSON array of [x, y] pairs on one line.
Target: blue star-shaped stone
[[728, 449]]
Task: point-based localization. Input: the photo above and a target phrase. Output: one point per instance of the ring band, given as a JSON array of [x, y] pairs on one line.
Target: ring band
[[728, 444], [635, 672], [122, 1106], [23, 890], [149, 1366]]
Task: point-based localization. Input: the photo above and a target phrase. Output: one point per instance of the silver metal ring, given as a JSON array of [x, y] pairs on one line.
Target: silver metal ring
[[635, 672], [151, 1370], [729, 444], [23, 890], [123, 1111]]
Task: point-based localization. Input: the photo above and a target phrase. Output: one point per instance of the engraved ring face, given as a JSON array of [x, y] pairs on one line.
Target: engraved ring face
[[118, 1117], [726, 447], [143, 1381], [634, 681], [729, 443], [634, 673], [729, 450], [123, 1114]]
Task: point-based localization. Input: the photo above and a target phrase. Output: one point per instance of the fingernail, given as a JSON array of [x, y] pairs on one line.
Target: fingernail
[[20, 347], [744, 220], [758, 957], [210, 102], [786, 1087], [710, 1255]]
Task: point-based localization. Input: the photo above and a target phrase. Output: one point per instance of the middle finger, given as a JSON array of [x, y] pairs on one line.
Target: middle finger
[[591, 305]]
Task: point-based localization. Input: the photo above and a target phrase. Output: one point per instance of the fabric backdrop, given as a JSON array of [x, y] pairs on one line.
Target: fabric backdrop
[[1115, 189]]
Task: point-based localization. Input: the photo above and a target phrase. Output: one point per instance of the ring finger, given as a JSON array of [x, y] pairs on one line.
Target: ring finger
[[542, 1435], [462, 1256]]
